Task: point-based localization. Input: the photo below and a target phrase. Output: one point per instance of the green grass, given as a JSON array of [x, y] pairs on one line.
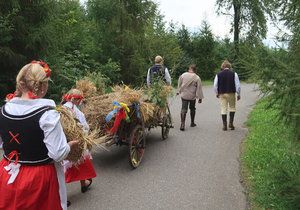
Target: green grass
[[271, 161], [207, 82]]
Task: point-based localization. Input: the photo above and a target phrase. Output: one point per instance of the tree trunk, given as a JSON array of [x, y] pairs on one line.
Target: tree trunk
[[236, 26]]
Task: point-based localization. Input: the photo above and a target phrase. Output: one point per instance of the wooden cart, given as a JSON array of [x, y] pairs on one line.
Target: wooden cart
[[132, 133]]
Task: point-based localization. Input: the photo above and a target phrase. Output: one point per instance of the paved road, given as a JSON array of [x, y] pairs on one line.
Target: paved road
[[195, 169]]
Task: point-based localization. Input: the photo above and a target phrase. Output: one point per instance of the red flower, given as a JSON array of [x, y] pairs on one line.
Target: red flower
[[45, 66], [10, 96]]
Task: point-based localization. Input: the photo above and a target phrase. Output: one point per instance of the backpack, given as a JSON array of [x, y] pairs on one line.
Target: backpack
[[157, 72]]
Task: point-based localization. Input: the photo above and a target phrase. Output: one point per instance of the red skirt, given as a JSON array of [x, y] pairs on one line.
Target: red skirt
[[80, 172], [35, 188]]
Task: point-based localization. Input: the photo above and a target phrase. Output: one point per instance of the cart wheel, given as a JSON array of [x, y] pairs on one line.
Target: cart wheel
[[137, 145], [166, 125]]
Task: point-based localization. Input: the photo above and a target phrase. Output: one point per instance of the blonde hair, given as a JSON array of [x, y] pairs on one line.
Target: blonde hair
[[72, 96], [226, 65], [75, 91], [158, 60], [31, 77]]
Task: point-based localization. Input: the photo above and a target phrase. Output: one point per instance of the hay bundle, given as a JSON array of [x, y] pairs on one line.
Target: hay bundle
[[87, 87], [96, 108], [128, 95], [73, 131], [147, 111], [166, 92]]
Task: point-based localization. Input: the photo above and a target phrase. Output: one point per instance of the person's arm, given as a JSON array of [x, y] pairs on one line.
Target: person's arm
[[82, 120], [237, 85], [216, 85], [1, 143], [54, 137], [168, 76], [148, 78], [179, 85], [199, 93]]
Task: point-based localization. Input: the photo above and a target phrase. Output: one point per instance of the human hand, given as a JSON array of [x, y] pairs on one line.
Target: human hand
[[177, 93], [217, 96], [238, 97], [200, 101], [73, 144]]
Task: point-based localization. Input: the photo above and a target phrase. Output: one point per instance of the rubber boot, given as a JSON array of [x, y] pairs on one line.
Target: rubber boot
[[231, 119], [182, 126], [193, 119], [224, 119]]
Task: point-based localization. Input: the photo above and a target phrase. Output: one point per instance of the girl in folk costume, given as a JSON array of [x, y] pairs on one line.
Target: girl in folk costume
[[34, 144], [84, 172]]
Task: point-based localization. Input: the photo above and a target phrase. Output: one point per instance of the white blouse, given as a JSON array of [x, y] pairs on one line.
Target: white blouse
[[79, 115]]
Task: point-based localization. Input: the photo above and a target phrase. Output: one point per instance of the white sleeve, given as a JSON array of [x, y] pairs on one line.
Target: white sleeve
[[54, 137], [80, 116], [216, 84], [237, 84], [148, 78], [168, 76]]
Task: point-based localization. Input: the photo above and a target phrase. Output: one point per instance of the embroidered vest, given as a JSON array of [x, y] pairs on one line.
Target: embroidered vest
[[23, 138]]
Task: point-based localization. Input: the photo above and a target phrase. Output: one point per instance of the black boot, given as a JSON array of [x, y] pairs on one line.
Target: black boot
[[231, 115], [182, 126], [193, 119], [224, 119]]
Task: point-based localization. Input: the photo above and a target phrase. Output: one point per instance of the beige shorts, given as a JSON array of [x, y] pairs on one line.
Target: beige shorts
[[228, 101]]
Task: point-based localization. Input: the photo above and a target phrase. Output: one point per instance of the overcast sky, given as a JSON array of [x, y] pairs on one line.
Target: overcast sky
[[192, 12]]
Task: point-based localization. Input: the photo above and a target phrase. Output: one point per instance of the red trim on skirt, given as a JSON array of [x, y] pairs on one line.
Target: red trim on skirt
[[35, 188], [82, 171]]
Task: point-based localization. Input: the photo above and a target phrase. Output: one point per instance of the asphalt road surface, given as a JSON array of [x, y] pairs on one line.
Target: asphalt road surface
[[195, 169]]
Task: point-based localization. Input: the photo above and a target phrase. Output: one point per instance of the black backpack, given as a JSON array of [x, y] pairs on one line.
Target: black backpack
[[157, 72]]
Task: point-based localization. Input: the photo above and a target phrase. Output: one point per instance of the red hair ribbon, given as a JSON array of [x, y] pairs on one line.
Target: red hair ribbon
[[45, 66], [31, 95], [121, 115], [10, 96], [68, 97], [12, 155]]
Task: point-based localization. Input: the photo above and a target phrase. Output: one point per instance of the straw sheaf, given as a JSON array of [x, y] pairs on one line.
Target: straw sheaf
[[97, 107], [88, 88], [147, 111], [73, 131]]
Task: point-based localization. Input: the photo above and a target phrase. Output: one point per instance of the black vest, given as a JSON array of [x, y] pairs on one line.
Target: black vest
[[23, 135], [226, 82], [157, 72]]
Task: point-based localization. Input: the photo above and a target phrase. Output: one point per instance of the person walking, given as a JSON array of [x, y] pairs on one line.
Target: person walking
[[190, 89], [226, 86], [84, 170], [158, 72], [34, 144]]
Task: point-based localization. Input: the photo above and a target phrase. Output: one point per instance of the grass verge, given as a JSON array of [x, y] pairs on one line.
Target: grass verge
[[271, 161]]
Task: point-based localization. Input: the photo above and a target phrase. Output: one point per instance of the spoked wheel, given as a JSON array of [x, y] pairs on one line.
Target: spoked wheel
[[166, 124], [137, 145]]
